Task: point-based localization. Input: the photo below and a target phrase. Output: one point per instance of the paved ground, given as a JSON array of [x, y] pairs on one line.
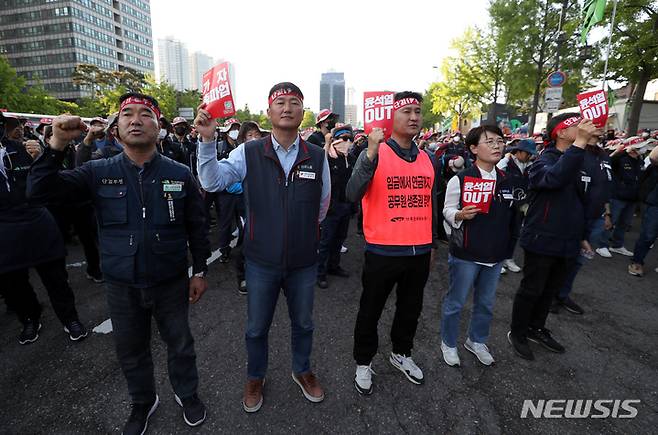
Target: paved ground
[[56, 386]]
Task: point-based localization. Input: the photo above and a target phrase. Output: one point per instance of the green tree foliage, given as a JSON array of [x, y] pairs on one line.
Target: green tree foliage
[[261, 118], [17, 96], [309, 119], [634, 53], [529, 31], [430, 119]]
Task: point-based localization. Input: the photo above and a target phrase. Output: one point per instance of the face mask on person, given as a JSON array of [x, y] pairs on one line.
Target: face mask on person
[[342, 146], [455, 139], [180, 131], [331, 124], [162, 134], [432, 146], [233, 134]]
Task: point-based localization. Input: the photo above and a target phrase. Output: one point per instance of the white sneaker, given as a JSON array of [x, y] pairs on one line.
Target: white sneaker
[[511, 265], [363, 379], [343, 249], [622, 251], [407, 366], [450, 355], [503, 270], [480, 350], [603, 252]]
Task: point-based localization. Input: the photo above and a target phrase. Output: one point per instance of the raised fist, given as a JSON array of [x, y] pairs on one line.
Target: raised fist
[[65, 129]]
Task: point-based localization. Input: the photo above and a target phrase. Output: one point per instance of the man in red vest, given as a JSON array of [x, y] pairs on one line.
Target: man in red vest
[[397, 185]]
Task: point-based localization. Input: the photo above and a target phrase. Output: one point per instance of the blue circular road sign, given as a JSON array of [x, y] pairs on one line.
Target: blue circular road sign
[[556, 78]]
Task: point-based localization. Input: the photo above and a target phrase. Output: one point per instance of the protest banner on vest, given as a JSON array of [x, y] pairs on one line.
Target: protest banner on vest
[[478, 192], [594, 105], [378, 112], [216, 91]]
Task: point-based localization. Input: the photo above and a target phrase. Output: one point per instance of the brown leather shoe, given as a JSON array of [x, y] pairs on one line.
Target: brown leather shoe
[[253, 395], [310, 386]]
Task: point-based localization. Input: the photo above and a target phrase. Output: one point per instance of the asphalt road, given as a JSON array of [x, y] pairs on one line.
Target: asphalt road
[[56, 386]]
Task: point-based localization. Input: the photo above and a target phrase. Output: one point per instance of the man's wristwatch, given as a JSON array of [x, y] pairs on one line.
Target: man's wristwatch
[[201, 274]]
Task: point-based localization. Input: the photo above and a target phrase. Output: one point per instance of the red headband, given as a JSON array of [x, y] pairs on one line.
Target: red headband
[[399, 104], [142, 101], [283, 93], [569, 122]]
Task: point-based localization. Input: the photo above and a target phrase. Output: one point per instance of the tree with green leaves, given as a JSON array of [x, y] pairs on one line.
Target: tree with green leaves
[[309, 119], [536, 35], [634, 51], [17, 96]]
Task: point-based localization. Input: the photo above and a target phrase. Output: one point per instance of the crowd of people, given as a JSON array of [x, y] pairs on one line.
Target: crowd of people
[[143, 194]]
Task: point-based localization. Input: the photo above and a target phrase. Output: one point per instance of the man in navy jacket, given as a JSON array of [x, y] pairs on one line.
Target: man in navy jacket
[[554, 230]]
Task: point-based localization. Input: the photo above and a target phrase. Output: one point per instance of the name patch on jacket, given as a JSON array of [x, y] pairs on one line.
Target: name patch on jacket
[[306, 172], [112, 181], [172, 185]]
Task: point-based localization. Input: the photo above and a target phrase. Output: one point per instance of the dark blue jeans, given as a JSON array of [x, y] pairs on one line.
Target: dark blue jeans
[[131, 310], [622, 216], [333, 232], [264, 285], [648, 234]]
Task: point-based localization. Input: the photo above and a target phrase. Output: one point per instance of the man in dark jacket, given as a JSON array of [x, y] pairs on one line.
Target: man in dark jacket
[[649, 230], [30, 238], [626, 169], [333, 229], [554, 230], [596, 180], [149, 208]]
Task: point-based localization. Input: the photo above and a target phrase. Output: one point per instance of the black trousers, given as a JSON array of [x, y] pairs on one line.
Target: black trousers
[[380, 274], [84, 224], [131, 310], [543, 277], [21, 298], [225, 204]]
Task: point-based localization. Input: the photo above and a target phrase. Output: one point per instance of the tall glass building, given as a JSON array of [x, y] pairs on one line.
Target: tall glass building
[[332, 93], [45, 39]]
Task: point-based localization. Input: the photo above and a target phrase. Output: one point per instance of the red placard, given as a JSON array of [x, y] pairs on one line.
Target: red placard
[[478, 192], [378, 112], [216, 92], [594, 105]]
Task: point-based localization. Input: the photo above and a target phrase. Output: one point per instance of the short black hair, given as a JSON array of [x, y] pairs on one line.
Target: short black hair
[[407, 94], [285, 85], [558, 119], [139, 95], [473, 135]]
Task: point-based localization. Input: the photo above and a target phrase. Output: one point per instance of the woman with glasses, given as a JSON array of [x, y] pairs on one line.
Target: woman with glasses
[[479, 208]]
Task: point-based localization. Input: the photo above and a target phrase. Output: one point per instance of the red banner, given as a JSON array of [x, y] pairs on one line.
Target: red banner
[[478, 192], [594, 105], [216, 92], [378, 112]]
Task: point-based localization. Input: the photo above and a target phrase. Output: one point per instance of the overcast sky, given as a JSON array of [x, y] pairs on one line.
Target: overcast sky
[[384, 44]]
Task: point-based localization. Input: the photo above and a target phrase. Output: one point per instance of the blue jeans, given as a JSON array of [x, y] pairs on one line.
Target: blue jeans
[[596, 237], [465, 275], [648, 234], [622, 216], [264, 285], [597, 233]]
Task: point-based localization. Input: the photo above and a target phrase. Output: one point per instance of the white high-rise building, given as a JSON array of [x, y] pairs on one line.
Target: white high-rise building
[[173, 63], [199, 64]]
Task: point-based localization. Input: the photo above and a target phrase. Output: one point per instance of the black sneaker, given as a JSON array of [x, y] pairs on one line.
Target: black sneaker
[[97, 277], [194, 411], [30, 332], [76, 330], [339, 271], [242, 287], [571, 306], [520, 346], [322, 282], [543, 336], [555, 306], [139, 417]]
